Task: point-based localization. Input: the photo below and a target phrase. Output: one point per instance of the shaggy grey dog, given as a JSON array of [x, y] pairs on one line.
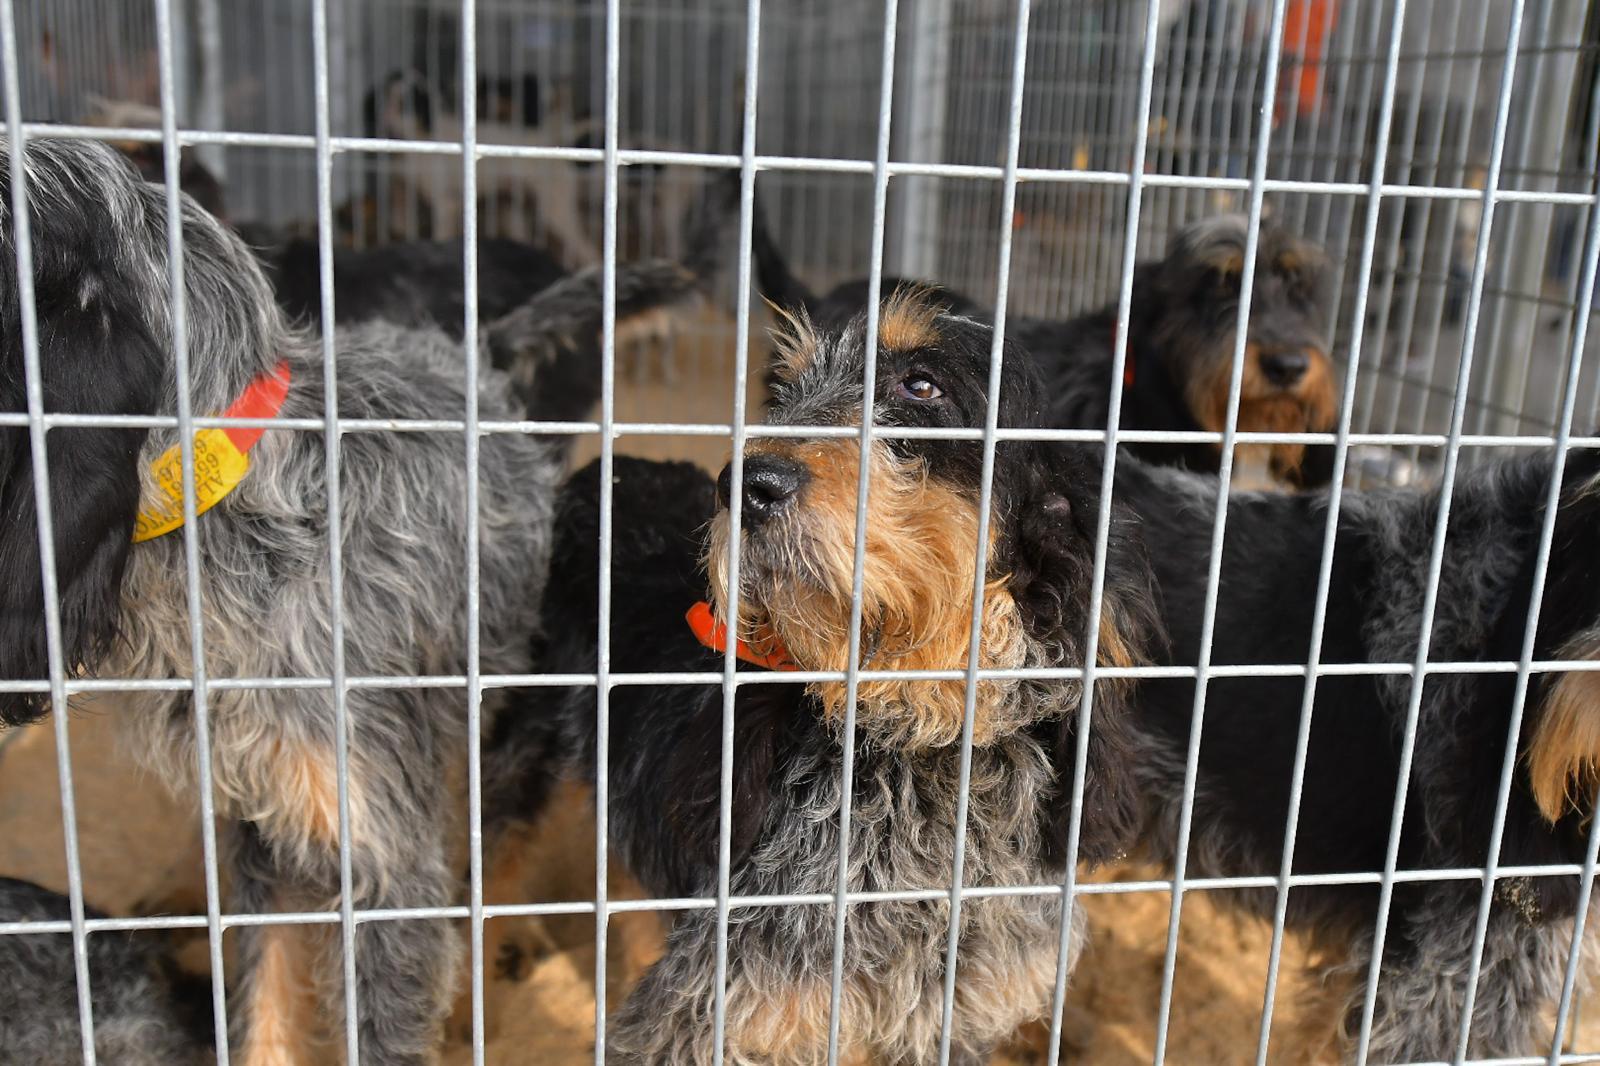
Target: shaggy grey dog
[[139, 999], [105, 334]]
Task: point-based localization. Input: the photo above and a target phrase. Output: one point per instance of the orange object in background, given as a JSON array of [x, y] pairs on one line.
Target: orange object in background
[[1307, 24]]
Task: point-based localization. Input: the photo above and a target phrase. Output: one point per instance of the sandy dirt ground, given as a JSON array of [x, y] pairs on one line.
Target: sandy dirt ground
[[140, 853]]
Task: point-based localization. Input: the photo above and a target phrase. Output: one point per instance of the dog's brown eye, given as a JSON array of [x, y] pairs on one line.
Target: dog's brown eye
[[919, 387]]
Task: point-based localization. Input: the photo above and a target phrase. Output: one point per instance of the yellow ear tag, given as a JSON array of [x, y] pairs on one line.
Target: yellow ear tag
[[218, 467], [221, 458]]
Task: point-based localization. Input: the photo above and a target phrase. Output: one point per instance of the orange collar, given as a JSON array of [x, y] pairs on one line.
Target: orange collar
[[714, 635], [221, 458]]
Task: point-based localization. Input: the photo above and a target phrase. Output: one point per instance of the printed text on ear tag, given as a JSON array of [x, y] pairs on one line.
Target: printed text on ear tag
[[218, 466]]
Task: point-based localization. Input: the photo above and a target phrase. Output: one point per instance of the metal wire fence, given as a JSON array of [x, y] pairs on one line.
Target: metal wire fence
[[1029, 153]]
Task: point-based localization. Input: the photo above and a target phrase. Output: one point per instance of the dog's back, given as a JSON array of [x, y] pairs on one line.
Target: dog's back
[[415, 283], [1354, 761]]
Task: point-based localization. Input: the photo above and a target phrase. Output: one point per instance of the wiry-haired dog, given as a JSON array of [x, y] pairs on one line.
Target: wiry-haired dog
[[1264, 615], [105, 336], [146, 1012], [798, 506], [1181, 338], [1180, 345]]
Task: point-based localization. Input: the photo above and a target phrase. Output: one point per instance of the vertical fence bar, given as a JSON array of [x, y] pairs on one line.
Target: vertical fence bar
[[1557, 91], [980, 575], [741, 374], [1456, 170], [1258, 173], [1519, 698], [1380, 149], [1584, 306], [608, 414], [1102, 536], [1319, 611], [1419, 672], [331, 440], [1405, 145], [869, 379], [471, 442], [200, 696], [34, 386]]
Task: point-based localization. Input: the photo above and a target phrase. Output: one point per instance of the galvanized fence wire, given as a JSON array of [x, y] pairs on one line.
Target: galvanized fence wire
[[1441, 525], [471, 444], [330, 413], [980, 578], [741, 365], [608, 402], [1587, 276], [1219, 523], [191, 534], [858, 563], [1569, 397], [34, 383], [1374, 192], [1119, 357], [1319, 610]]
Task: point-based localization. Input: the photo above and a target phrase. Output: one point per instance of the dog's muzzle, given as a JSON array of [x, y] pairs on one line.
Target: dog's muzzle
[[769, 486], [1285, 369]]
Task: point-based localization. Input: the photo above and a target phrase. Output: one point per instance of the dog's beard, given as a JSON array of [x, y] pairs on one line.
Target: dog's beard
[[796, 578], [1311, 406]]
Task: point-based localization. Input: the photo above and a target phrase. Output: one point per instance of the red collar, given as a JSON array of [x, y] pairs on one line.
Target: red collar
[[262, 398], [714, 635]]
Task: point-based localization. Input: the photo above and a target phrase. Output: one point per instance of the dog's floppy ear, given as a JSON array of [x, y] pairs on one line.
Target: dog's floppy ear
[[1053, 577], [95, 357]]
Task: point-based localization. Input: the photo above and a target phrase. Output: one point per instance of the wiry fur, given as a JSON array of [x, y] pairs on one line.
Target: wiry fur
[[99, 240], [145, 1013], [665, 740], [1182, 331], [1374, 615]]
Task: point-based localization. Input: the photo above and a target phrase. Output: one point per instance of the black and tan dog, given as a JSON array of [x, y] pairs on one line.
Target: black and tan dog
[[798, 513], [1182, 333], [1264, 610]]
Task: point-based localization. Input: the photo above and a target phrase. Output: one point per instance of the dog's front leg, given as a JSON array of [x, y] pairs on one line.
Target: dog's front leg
[[272, 1014], [405, 969]]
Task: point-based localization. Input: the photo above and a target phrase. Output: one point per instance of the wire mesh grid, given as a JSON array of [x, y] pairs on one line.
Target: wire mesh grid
[[1031, 152]]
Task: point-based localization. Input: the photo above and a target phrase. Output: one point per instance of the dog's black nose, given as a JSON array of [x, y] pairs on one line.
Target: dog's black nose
[[1283, 369], [770, 482]]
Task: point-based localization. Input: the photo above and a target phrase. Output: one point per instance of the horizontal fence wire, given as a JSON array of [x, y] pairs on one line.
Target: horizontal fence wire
[[807, 164]]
